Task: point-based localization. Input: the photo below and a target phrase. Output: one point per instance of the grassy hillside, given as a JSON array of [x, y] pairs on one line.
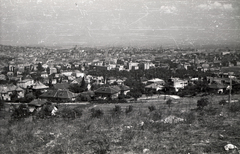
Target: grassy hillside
[[135, 131]]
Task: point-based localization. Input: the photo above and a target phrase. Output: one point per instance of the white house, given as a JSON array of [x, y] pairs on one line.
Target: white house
[[179, 83], [67, 73]]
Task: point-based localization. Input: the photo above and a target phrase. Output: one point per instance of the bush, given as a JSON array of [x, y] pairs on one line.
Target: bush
[[20, 112], [96, 113], [45, 111], [222, 102], [211, 110], [122, 101], [84, 98], [234, 107], [116, 110], [68, 113], [156, 115], [190, 117], [2, 105], [169, 103], [151, 108], [202, 103], [129, 109]]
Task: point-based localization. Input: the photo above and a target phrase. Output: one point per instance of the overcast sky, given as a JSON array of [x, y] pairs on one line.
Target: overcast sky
[[119, 22]]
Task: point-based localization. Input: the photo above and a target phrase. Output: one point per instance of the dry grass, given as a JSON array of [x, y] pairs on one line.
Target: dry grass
[[201, 132]]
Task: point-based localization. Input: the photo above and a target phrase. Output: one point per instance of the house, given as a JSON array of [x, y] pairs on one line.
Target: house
[[25, 83], [39, 86], [111, 80], [156, 81], [61, 86], [124, 89], [10, 73], [77, 81], [143, 80], [20, 92], [66, 73], [6, 91], [59, 95], [2, 77], [205, 67], [119, 81], [96, 79], [178, 83], [79, 74], [108, 92], [154, 86], [36, 104], [53, 70], [217, 88], [133, 66], [44, 75]]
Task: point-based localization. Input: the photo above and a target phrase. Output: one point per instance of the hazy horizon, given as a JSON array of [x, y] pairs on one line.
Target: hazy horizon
[[167, 23]]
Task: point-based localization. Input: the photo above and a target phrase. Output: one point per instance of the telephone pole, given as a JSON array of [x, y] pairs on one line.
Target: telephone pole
[[230, 90]]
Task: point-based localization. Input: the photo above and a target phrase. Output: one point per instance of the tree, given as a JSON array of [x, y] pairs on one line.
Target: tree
[[29, 97], [83, 84], [169, 103], [40, 68], [2, 104], [76, 88], [222, 102], [48, 70], [202, 103], [135, 94], [14, 96], [149, 93], [20, 112]]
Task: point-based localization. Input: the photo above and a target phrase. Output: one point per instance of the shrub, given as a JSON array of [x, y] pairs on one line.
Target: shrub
[[129, 109], [202, 103], [211, 110], [156, 115], [122, 101], [85, 98], [169, 103], [222, 102], [117, 110], [100, 144], [190, 117], [96, 113], [68, 113], [20, 112], [2, 105], [44, 112], [151, 108], [234, 107]]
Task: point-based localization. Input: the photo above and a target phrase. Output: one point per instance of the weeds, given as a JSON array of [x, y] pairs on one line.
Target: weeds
[[98, 131]]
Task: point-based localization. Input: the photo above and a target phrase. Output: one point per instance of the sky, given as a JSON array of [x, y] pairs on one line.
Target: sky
[[167, 23]]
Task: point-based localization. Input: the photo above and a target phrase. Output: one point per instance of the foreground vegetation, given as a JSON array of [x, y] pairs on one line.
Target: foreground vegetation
[[144, 127]]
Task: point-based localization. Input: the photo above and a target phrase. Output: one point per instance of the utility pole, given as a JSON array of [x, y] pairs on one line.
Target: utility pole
[[230, 90]]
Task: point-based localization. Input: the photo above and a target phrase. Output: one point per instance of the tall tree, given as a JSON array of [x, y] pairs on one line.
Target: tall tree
[[40, 68]]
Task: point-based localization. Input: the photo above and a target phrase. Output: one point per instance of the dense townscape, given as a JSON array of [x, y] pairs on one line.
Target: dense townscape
[[29, 72]]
